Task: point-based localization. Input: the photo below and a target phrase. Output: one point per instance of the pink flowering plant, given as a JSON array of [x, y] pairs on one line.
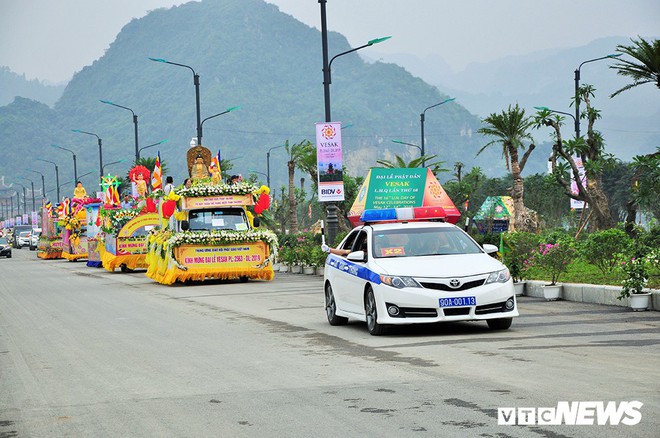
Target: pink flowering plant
[[553, 258]]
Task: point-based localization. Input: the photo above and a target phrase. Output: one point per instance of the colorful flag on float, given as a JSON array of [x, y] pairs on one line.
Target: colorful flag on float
[[215, 162], [49, 207], [68, 209], [157, 177]]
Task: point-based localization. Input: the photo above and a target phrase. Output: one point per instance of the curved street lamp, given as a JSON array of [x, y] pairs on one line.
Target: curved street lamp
[[57, 176], [331, 208], [257, 172], [100, 148], [422, 117], [43, 182], [18, 198], [135, 124], [152, 145], [113, 162], [408, 144], [545, 108], [34, 204], [268, 163], [196, 82], [228, 110], [577, 87], [75, 169]]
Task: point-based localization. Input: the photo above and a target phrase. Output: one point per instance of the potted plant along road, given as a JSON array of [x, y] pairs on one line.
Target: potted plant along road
[[553, 260], [636, 278]]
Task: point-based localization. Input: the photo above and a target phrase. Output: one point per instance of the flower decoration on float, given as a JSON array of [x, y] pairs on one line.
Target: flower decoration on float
[[244, 188], [262, 199]]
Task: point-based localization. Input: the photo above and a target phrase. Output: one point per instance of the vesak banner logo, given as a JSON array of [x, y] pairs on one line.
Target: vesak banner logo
[[583, 413], [329, 162]]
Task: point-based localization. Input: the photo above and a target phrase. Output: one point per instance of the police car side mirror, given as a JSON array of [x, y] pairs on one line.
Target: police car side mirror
[[356, 256], [490, 249], [185, 225]]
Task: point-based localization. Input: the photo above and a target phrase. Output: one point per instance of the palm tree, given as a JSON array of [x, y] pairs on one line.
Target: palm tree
[[510, 129], [296, 154], [648, 68]]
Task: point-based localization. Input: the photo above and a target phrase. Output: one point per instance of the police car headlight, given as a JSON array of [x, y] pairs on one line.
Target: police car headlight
[[498, 276], [398, 281]]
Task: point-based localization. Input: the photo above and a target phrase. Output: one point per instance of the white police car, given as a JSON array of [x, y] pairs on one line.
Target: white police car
[[405, 270]]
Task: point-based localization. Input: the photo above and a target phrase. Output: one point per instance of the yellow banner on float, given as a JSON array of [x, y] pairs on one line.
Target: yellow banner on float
[[216, 201], [146, 221], [231, 257], [131, 245]]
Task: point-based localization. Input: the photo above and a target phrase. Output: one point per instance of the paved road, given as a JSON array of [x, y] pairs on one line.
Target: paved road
[[84, 352]]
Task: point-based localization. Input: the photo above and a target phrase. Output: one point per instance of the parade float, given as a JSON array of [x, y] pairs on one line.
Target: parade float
[[210, 229], [403, 187], [122, 241], [73, 223], [50, 241]]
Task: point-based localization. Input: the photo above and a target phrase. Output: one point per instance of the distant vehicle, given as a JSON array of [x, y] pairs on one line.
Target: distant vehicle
[[5, 247], [24, 238], [34, 238], [16, 233]]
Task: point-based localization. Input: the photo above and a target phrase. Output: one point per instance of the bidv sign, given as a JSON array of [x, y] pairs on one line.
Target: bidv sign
[[582, 413]]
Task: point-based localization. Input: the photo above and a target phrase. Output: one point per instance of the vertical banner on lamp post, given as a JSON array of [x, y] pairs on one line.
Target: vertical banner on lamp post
[[574, 186], [329, 162], [35, 218]]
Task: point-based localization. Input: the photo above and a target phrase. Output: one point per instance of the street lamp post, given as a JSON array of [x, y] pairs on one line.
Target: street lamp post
[[111, 163], [135, 125], [43, 182], [57, 176], [331, 209], [34, 204], [196, 82], [545, 108], [409, 144], [75, 169], [259, 173], [228, 110], [24, 199], [422, 117], [100, 148], [152, 145], [268, 163], [577, 88]]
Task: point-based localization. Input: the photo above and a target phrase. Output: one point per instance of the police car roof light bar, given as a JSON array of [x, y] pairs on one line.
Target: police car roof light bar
[[403, 214]]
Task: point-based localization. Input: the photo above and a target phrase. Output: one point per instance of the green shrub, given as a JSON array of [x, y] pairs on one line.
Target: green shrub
[[518, 247], [604, 249]]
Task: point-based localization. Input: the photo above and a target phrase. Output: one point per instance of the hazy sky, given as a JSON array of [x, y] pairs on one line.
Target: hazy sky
[[52, 39]]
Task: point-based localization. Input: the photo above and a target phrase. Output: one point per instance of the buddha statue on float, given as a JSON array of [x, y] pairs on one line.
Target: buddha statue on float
[[199, 161], [79, 192]]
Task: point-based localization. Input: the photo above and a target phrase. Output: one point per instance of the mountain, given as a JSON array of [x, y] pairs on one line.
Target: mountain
[[12, 85], [247, 54], [629, 121]]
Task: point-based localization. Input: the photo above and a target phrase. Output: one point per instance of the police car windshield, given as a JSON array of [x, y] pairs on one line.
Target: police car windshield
[[414, 242], [218, 219]]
